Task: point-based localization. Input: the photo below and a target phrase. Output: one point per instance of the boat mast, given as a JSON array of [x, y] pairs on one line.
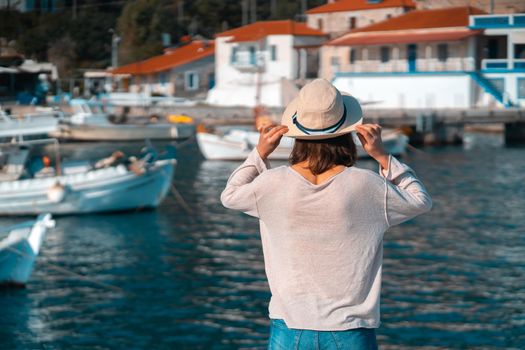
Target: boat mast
[[258, 110]]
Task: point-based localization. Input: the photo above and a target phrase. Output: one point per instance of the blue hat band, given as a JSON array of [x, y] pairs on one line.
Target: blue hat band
[[328, 130]]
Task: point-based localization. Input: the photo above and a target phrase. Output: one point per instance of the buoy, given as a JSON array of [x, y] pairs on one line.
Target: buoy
[[201, 128], [56, 193]]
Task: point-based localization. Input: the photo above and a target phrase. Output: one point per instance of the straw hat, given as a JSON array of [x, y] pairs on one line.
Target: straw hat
[[321, 112]]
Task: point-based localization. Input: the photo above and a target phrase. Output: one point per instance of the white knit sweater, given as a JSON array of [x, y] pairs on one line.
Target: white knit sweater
[[323, 244]]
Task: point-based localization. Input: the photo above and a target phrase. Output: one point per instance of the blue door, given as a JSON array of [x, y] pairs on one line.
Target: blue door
[[211, 81], [412, 57]]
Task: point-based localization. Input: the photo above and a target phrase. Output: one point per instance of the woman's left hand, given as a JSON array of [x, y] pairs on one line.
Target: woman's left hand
[[269, 139], [370, 137]]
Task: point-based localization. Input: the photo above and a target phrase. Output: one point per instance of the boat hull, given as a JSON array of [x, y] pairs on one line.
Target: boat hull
[[123, 132], [19, 250], [215, 147], [121, 191]]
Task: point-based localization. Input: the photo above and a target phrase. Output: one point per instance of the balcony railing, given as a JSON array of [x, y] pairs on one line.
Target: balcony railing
[[502, 63], [497, 21], [422, 65]]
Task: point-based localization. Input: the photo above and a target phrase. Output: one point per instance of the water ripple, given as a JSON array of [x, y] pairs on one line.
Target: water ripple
[[453, 279]]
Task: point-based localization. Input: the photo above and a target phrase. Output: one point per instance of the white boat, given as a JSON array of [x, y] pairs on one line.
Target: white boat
[[28, 124], [90, 123], [237, 144], [115, 188], [146, 100], [20, 248], [13, 159]]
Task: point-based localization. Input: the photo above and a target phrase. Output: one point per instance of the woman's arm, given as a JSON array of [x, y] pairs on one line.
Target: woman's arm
[[239, 193], [405, 195]]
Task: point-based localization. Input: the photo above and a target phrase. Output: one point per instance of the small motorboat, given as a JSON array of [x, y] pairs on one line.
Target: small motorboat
[[109, 185], [90, 122], [18, 251], [39, 123], [236, 144]]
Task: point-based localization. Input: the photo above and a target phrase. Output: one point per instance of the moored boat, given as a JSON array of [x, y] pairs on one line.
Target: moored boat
[[18, 251], [237, 144], [27, 125], [115, 188], [90, 123]]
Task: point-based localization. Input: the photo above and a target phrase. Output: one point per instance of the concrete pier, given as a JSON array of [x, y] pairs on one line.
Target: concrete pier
[[436, 127]]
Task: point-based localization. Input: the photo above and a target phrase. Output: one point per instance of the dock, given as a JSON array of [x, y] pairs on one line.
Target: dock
[[431, 127], [424, 126]]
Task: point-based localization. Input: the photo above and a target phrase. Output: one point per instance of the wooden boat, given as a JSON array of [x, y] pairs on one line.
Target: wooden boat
[[90, 123], [237, 144], [20, 248]]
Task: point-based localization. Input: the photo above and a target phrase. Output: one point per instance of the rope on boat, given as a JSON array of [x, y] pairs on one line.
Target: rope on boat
[[415, 149], [68, 272], [178, 197]]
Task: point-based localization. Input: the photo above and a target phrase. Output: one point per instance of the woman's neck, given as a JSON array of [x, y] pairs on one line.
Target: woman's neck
[[303, 168]]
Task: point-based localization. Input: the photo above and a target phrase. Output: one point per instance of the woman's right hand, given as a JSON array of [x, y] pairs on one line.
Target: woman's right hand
[[269, 139], [370, 137]]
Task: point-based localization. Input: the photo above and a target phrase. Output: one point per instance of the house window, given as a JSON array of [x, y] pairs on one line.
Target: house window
[[352, 22], [253, 60], [335, 61], [442, 52], [163, 78], [273, 51], [233, 57], [191, 81], [320, 24], [385, 54], [521, 88], [519, 52], [352, 56]]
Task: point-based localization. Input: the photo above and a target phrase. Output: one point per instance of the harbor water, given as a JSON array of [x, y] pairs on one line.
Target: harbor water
[[452, 279]]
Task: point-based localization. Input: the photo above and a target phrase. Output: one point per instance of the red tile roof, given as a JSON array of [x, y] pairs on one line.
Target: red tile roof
[[448, 24], [403, 37], [359, 5], [436, 18], [261, 29], [172, 58]]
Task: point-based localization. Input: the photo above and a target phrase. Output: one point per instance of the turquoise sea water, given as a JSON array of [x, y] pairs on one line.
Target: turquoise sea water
[[453, 279]]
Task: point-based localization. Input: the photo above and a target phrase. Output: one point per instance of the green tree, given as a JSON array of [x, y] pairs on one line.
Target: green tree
[[141, 26]]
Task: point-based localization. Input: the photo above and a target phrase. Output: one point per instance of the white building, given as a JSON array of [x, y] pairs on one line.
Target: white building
[[184, 71], [260, 63], [502, 65], [341, 16], [440, 58]]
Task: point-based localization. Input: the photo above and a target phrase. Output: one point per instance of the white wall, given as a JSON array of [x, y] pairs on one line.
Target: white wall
[[410, 91], [237, 87]]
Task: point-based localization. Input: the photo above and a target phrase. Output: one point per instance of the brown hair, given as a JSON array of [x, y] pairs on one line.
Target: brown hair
[[323, 155]]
